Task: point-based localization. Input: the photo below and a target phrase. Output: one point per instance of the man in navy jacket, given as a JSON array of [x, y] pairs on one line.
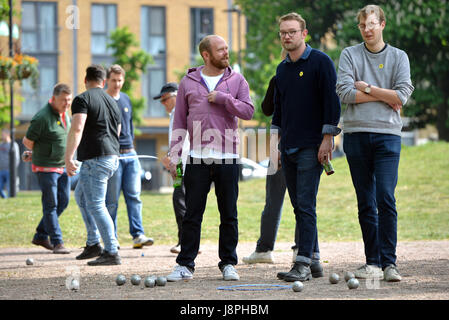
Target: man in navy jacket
[[307, 113]]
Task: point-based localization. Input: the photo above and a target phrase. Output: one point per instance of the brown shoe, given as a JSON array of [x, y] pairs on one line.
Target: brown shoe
[[44, 243], [60, 249]]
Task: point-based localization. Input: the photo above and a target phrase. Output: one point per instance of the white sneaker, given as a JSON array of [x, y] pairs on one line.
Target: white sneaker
[[229, 273], [141, 241], [180, 273], [369, 272], [259, 257], [295, 253], [391, 274], [176, 249]]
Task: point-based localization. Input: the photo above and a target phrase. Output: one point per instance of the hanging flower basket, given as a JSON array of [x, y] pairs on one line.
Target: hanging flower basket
[[26, 67], [6, 67]]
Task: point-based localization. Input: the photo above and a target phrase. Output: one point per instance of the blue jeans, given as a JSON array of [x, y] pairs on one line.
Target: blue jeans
[[302, 175], [4, 182], [373, 160], [126, 178], [197, 180], [90, 194], [55, 189]]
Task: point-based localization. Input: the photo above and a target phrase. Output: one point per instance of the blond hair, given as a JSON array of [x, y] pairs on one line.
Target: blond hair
[[294, 16], [370, 9]]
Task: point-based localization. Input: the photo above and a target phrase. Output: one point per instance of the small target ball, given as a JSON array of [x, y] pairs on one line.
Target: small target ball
[[297, 286], [349, 275], [161, 281], [135, 280], [149, 282], [353, 283], [75, 285], [334, 278], [120, 280], [29, 261]]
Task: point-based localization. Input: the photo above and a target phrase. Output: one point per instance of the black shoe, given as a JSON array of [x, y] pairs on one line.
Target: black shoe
[[316, 268], [299, 272], [106, 259], [90, 252]]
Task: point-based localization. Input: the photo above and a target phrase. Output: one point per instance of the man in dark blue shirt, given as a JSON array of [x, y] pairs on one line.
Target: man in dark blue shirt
[[307, 113]]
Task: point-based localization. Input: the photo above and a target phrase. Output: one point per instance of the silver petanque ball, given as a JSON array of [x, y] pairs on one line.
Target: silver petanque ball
[[349, 275], [149, 282], [297, 286], [29, 261], [353, 283], [334, 278], [75, 285], [120, 280], [161, 281], [135, 279]]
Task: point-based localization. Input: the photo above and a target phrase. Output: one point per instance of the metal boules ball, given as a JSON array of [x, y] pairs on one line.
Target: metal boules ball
[[149, 282], [120, 280], [349, 275], [334, 278], [353, 283], [75, 285], [29, 261], [135, 279], [297, 286], [161, 281]]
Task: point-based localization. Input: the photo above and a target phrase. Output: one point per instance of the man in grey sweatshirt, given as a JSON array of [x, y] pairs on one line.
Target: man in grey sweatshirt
[[374, 82]]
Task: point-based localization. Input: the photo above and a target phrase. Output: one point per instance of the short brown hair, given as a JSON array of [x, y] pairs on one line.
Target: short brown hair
[[294, 16], [204, 44], [115, 68], [60, 88], [369, 9]]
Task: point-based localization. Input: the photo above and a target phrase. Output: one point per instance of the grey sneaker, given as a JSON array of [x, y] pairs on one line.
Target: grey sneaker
[[369, 272], [229, 273], [141, 241], [391, 274], [259, 257], [180, 273]]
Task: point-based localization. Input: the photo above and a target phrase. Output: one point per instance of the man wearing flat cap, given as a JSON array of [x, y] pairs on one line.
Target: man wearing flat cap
[[167, 97]]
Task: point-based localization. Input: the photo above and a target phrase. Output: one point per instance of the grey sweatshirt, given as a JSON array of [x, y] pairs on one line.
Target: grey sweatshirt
[[388, 69]]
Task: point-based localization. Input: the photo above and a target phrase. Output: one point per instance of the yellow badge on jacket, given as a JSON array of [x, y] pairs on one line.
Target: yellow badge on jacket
[[301, 74], [381, 66]]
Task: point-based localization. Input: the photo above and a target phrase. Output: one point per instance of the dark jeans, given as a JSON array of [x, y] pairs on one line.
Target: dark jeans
[[302, 175], [197, 179], [179, 206], [55, 189], [373, 160]]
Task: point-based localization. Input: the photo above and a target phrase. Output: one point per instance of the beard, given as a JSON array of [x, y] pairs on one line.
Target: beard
[[219, 63], [290, 46]]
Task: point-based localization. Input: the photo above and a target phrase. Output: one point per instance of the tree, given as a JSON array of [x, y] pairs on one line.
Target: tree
[[135, 62]]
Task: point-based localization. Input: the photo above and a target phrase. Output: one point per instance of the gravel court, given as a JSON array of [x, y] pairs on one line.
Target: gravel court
[[423, 265]]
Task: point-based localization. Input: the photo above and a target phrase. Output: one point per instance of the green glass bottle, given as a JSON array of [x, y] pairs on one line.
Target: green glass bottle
[[328, 168], [178, 180]]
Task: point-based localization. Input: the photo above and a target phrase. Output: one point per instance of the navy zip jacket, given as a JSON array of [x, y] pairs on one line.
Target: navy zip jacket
[[307, 105]]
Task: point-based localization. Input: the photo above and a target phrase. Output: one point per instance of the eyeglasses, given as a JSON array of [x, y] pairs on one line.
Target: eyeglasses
[[291, 34], [369, 26]]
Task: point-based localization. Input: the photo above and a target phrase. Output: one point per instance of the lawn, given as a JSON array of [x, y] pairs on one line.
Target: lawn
[[422, 197]]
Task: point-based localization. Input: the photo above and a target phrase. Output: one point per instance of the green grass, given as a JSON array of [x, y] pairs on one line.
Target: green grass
[[422, 197]]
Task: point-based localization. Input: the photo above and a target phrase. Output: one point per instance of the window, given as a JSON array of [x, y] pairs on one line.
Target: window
[[153, 41], [103, 21], [202, 24], [39, 39]]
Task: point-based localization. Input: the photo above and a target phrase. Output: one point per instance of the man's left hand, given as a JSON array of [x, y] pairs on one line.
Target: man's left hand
[[325, 151]]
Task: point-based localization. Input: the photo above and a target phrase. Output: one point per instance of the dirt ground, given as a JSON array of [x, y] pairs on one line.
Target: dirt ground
[[424, 266]]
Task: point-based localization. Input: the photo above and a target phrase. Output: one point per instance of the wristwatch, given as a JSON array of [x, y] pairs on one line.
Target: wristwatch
[[368, 89]]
